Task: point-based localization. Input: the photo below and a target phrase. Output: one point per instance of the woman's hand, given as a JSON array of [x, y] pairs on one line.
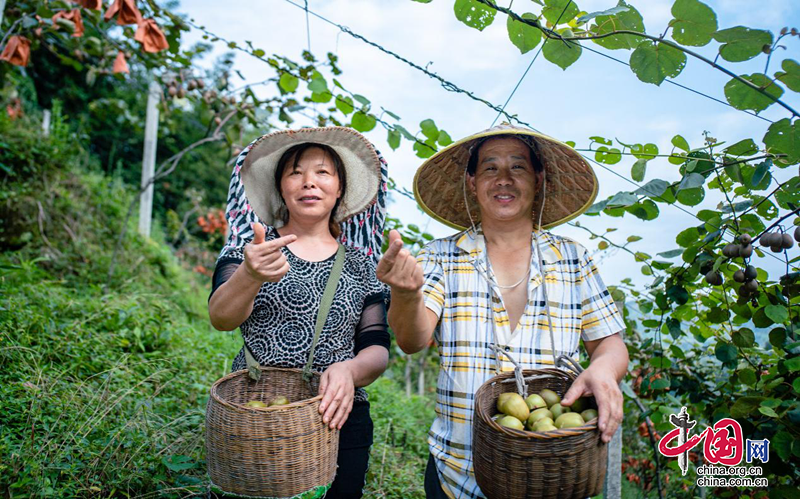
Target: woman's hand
[[337, 389], [264, 260]]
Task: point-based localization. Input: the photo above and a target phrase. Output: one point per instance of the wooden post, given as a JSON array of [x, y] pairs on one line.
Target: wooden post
[[149, 159], [612, 488], [2, 8], [45, 120]]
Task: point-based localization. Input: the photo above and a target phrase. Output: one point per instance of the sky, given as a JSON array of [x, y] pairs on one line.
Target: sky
[[594, 96]]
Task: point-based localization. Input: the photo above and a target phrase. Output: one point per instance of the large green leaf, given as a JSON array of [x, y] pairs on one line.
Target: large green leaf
[[393, 139], [652, 63], [288, 82], [744, 147], [744, 406], [725, 352], [474, 14], [740, 43], [742, 96], [744, 337], [344, 103], [691, 181], [654, 188], [562, 54], [639, 169], [777, 313], [363, 122], [560, 11], [691, 197], [523, 36], [429, 129], [790, 76], [784, 137], [694, 23], [628, 19]]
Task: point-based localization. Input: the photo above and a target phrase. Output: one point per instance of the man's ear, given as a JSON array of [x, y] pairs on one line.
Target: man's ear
[[470, 183]]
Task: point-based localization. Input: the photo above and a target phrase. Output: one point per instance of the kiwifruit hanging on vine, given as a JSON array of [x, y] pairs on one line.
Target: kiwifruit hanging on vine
[[778, 248], [766, 239], [738, 276], [750, 272], [797, 234], [746, 251], [743, 293], [714, 278], [181, 92], [172, 91], [787, 241], [745, 239], [706, 267], [731, 250], [751, 286]]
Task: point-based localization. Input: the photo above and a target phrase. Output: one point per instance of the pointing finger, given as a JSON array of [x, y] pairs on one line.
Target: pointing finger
[[282, 241]]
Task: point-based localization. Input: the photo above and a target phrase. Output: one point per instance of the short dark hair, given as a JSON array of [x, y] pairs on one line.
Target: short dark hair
[[293, 156], [472, 164]]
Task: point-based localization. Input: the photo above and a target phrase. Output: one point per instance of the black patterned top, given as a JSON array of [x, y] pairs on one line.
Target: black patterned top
[[280, 329]]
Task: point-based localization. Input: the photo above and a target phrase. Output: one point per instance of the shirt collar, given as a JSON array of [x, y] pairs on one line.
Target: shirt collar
[[473, 242]]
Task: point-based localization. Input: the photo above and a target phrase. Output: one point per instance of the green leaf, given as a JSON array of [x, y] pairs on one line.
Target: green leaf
[[694, 23], [361, 99], [523, 36], [744, 338], [622, 199], [444, 139], [660, 362], [474, 14], [178, 463], [654, 188], [691, 181], [638, 170], [344, 104], [406, 134], [645, 209], [679, 142], [560, 11], [561, 53], [744, 406], [318, 85], [790, 76], [744, 147], [424, 149], [608, 12], [758, 175], [363, 122], [742, 96], [740, 43], [671, 253], [784, 137], [674, 328], [777, 313], [629, 19], [321, 97], [718, 315], [653, 63], [660, 384], [747, 376], [647, 151], [782, 443], [691, 197], [289, 82], [608, 156], [393, 139], [793, 364], [633, 239], [602, 245], [796, 385], [429, 129], [725, 352]]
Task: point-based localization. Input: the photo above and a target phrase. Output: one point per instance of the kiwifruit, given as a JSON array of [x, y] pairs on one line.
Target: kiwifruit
[[731, 250], [511, 422], [580, 405], [751, 286], [569, 420], [787, 241], [589, 414], [745, 239], [535, 401], [738, 276], [538, 414], [750, 272], [558, 410], [515, 406], [714, 278], [778, 248], [550, 397], [746, 251], [797, 234]]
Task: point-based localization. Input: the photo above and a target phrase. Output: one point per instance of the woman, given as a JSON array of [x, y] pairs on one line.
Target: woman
[[302, 184]]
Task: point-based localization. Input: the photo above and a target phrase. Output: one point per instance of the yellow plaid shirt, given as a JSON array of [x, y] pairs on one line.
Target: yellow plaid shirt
[[471, 312]]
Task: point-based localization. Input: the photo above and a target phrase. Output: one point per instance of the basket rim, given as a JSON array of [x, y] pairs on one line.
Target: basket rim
[[244, 408], [531, 435]]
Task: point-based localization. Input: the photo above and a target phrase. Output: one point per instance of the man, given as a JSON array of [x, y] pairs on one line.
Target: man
[[485, 286]]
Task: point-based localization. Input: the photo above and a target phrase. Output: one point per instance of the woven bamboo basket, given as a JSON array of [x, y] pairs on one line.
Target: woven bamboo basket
[[511, 464], [279, 451]]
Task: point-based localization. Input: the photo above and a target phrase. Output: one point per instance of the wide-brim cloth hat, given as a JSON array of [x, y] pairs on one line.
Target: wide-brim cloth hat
[[253, 196], [570, 183]]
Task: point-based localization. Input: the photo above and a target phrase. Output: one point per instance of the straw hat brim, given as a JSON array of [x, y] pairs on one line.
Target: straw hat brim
[[571, 184], [361, 164]]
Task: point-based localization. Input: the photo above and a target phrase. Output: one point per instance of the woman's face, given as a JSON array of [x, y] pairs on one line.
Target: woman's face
[[311, 189]]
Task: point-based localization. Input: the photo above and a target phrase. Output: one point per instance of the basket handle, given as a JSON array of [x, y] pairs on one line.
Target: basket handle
[[253, 368], [569, 363]]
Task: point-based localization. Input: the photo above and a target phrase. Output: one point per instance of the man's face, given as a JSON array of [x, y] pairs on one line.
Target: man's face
[[505, 182]]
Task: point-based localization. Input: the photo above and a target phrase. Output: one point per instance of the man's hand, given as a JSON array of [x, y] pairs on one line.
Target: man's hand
[[264, 260], [601, 384], [398, 268], [337, 389]]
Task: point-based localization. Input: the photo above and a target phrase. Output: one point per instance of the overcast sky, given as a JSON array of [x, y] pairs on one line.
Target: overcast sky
[[594, 96]]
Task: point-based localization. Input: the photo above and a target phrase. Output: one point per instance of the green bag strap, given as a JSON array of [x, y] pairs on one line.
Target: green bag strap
[[322, 315]]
